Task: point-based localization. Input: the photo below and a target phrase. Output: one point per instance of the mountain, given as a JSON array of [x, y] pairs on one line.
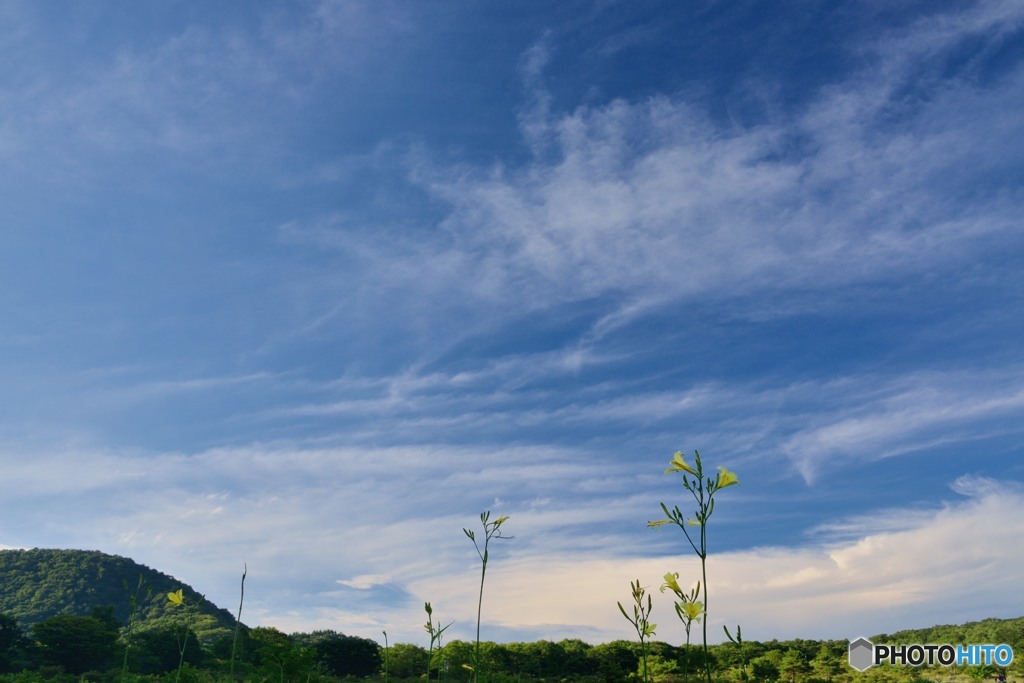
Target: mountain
[[37, 584]]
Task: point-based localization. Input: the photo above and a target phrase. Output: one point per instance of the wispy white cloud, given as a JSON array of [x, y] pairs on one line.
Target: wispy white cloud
[[163, 387], [815, 424], [656, 200], [873, 418], [974, 486], [365, 581], [649, 205], [653, 204], [186, 97]]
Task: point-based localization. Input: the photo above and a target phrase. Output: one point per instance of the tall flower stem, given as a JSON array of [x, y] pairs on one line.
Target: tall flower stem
[[491, 530], [641, 621], [238, 619], [704, 581], [133, 602], [435, 632], [177, 599], [688, 609], [703, 490]]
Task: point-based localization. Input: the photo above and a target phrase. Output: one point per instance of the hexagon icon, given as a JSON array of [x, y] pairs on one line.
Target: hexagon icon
[[862, 654]]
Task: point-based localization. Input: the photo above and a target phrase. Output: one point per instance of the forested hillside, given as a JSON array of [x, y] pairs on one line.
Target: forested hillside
[[1009, 631], [38, 584]]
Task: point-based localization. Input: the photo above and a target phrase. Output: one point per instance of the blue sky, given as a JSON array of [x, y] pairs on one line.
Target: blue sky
[[310, 285]]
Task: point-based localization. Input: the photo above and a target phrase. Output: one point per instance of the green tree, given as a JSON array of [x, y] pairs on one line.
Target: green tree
[[615, 661], [13, 644], [459, 654], [406, 660], [661, 668], [244, 649], [541, 659], [576, 658], [280, 656], [345, 655], [793, 665], [498, 658], [105, 615], [157, 650], [763, 669], [829, 663], [981, 672], [76, 644]]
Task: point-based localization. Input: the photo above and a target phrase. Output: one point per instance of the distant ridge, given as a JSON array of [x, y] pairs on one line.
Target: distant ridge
[[38, 584], [995, 631]]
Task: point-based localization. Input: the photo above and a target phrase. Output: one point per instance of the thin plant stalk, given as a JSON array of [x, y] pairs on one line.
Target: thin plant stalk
[[177, 599], [441, 655], [133, 602], [386, 656], [704, 576], [238, 619], [491, 530], [688, 609], [703, 490], [739, 641], [641, 621], [435, 632]]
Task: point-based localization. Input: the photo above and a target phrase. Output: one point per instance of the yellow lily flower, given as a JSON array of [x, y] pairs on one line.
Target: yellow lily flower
[[690, 521], [726, 478], [659, 523], [176, 598], [693, 610], [679, 464], [672, 583]]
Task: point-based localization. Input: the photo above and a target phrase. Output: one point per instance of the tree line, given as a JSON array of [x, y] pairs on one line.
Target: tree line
[[96, 648]]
